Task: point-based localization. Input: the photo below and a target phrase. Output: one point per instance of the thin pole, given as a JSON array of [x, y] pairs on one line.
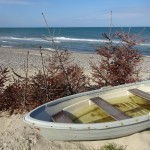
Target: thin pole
[[110, 32]]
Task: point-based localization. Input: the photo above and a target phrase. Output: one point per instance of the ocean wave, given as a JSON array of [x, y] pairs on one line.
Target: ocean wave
[[6, 46], [61, 39], [85, 40], [26, 39], [8, 42], [49, 49], [145, 44], [76, 39], [56, 39]]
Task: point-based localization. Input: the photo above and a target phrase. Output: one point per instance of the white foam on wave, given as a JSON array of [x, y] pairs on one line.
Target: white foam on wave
[[8, 42], [84, 40], [145, 44], [27, 39], [76, 39], [49, 49], [6, 46], [56, 39]]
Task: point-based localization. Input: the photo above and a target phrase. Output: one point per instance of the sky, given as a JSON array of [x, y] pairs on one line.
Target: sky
[[74, 13]]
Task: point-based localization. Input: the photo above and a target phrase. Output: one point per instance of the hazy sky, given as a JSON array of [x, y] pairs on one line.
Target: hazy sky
[[74, 13]]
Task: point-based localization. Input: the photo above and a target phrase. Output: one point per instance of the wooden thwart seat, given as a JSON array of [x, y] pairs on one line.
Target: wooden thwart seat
[[110, 109], [61, 117], [140, 93]]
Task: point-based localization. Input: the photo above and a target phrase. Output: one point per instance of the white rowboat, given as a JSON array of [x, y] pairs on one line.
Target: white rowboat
[[106, 113]]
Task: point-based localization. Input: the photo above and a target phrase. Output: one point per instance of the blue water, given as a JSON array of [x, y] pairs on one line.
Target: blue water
[[84, 39]]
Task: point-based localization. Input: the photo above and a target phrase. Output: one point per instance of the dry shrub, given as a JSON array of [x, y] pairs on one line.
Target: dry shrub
[[118, 64], [13, 97], [71, 75], [17, 97], [77, 79], [3, 79], [59, 78]]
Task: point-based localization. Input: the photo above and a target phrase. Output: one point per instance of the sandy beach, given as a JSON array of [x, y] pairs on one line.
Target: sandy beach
[[16, 135]]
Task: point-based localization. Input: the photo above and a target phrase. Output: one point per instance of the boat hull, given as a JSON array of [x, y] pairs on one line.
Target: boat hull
[[41, 117], [97, 134]]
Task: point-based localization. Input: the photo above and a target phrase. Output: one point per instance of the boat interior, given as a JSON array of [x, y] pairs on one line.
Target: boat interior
[[97, 109]]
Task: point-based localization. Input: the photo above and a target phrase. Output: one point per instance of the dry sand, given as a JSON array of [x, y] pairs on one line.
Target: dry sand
[[16, 135]]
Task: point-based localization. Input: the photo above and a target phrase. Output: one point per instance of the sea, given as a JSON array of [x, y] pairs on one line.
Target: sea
[[78, 39]]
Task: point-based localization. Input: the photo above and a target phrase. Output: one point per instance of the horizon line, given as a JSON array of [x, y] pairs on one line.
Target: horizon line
[[79, 27]]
